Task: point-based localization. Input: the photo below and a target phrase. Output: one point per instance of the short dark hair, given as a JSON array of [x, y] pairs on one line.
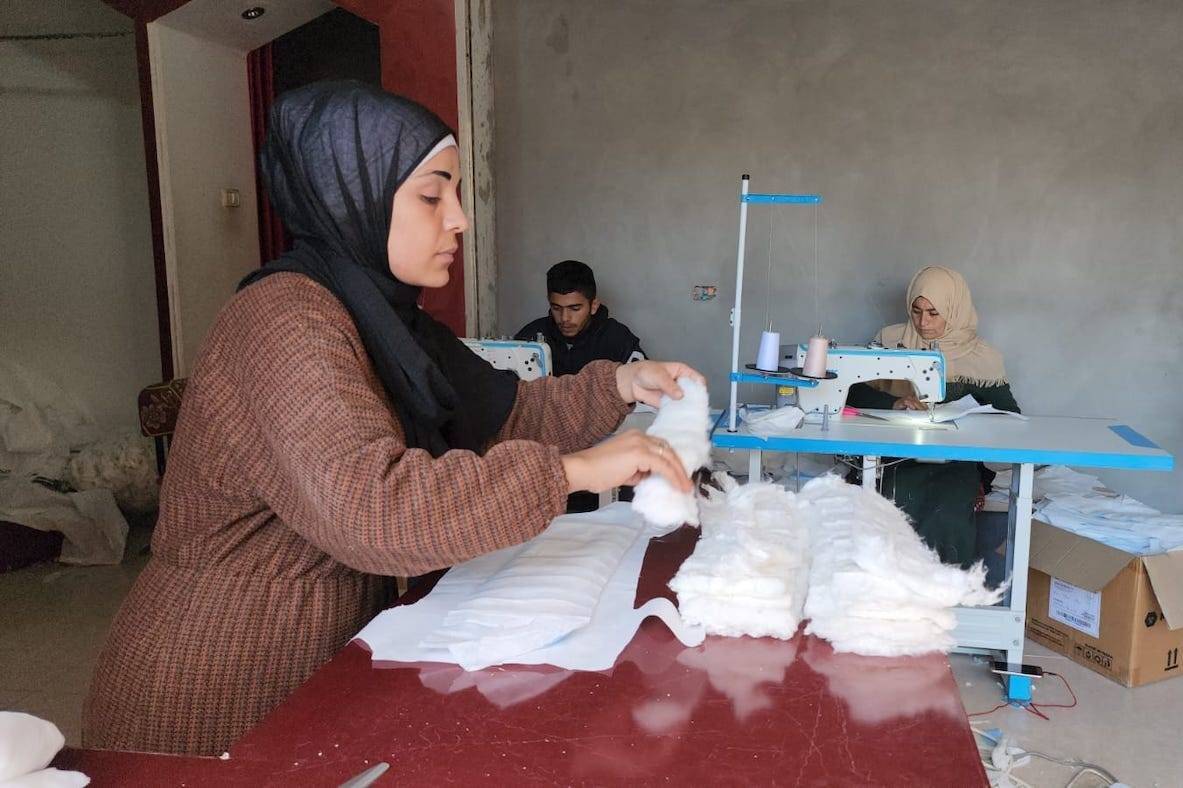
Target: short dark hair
[[571, 276]]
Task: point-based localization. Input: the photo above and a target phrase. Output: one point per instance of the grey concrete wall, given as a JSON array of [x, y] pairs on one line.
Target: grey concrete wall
[[1035, 146], [77, 290]]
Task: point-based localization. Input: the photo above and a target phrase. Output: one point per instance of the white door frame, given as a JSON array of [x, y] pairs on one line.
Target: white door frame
[[474, 89]]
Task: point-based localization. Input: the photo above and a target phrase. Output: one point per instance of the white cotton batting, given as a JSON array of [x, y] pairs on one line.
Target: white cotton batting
[[749, 570], [684, 424], [875, 588]]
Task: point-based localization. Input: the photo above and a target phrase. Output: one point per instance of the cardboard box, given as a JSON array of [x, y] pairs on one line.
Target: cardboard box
[[1117, 613]]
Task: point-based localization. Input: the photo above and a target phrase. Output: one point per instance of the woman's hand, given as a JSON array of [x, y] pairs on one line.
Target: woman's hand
[[624, 459], [909, 403], [646, 381]]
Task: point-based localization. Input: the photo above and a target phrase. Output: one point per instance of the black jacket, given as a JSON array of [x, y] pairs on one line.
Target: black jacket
[[602, 338]]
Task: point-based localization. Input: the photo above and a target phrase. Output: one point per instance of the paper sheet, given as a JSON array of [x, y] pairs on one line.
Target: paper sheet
[[420, 632]]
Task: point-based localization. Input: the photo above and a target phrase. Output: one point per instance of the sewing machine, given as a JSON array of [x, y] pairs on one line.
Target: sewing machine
[[529, 360], [925, 369]]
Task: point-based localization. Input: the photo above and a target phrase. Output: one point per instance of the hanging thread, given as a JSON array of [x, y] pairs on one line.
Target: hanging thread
[[768, 278], [817, 317]]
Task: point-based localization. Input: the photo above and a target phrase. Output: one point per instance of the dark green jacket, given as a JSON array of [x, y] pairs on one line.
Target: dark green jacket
[[939, 498], [863, 396]]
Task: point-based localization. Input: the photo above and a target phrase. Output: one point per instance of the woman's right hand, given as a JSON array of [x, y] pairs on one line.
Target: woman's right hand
[[624, 459], [909, 403]]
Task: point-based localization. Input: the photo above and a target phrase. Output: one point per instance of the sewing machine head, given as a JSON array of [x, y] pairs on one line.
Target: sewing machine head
[[925, 369], [529, 360]]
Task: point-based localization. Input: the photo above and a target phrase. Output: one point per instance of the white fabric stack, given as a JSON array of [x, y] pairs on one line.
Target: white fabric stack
[[685, 425], [874, 587], [565, 598], [748, 573], [27, 746], [565, 571]]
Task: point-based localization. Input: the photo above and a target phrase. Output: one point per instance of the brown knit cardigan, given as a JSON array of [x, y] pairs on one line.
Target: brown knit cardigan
[[290, 499]]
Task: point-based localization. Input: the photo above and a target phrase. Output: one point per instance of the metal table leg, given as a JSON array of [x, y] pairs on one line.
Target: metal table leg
[[1018, 554], [869, 466], [755, 466]]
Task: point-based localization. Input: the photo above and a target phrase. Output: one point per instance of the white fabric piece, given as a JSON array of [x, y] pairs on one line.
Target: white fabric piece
[[766, 422], [27, 745], [685, 425], [874, 587], [941, 414], [748, 572], [1081, 503], [39, 423], [40, 427], [550, 589], [417, 633], [95, 530], [48, 778]]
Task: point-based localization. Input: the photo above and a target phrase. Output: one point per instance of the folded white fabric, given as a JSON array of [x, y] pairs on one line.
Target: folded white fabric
[[748, 572], [875, 588], [1082, 504], [547, 591], [27, 745], [685, 425], [511, 604], [766, 422]]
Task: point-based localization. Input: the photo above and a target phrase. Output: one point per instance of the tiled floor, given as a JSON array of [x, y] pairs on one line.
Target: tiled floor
[[54, 619], [1133, 733]]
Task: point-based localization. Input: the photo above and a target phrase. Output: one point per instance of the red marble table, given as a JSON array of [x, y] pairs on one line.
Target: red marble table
[[731, 711]]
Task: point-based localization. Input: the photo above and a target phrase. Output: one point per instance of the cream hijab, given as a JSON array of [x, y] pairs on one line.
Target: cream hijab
[[968, 357]]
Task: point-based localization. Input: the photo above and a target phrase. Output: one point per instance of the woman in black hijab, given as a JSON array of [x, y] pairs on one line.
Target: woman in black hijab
[[333, 434]]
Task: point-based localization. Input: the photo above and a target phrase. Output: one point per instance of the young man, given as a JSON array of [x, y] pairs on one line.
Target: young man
[[578, 328]]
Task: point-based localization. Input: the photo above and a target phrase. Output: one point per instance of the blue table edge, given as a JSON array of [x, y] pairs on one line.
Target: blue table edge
[[1164, 462]]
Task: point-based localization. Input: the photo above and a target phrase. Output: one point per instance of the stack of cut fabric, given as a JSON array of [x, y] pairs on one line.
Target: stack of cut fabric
[[874, 587], [748, 573]]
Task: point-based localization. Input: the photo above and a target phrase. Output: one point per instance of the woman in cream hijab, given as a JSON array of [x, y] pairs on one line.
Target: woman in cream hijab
[[941, 498]]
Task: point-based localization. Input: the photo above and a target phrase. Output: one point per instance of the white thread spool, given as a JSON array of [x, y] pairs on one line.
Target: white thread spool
[[815, 357], [768, 359]]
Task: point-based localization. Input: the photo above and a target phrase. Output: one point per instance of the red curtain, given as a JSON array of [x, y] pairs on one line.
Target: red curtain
[[273, 239]]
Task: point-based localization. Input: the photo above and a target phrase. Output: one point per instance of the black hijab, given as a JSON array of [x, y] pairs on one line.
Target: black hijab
[[335, 154]]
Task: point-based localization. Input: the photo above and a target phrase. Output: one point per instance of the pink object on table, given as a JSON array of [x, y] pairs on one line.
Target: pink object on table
[[849, 411]]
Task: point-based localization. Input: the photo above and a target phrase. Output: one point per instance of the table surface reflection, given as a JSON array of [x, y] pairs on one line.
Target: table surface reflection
[[733, 710]]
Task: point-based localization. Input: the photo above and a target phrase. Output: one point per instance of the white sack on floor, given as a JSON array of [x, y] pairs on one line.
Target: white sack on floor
[[748, 572], [39, 423], [685, 425], [875, 588], [95, 530]]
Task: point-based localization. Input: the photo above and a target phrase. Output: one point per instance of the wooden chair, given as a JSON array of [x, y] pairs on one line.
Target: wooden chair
[[159, 405]]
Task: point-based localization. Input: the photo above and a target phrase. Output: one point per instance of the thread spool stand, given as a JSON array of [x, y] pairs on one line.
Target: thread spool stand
[[747, 198]]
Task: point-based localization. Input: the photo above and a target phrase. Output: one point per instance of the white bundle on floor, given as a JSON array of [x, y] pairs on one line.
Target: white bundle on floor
[[685, 425], [748, 573], [875, 588]]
